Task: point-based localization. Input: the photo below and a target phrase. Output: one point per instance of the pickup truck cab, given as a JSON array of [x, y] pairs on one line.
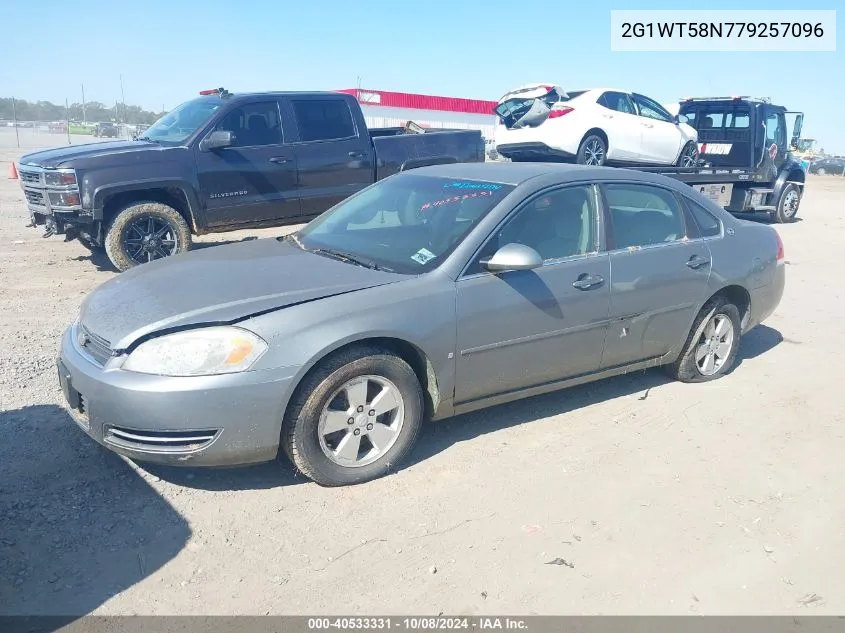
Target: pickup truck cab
[[224, 162]]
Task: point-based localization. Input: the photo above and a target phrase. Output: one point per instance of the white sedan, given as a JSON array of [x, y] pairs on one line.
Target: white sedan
[[592, 127]]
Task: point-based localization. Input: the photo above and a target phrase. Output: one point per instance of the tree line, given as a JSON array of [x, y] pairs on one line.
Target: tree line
[[93, 112]]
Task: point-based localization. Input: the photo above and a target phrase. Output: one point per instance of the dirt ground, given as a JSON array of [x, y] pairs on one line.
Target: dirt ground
[[662, 498]]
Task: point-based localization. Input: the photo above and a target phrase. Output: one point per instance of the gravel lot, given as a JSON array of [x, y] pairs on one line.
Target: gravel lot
[[662, 498]]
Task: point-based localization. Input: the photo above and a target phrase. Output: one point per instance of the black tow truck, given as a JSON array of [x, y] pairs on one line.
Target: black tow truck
[[222, 162], [744, 164]]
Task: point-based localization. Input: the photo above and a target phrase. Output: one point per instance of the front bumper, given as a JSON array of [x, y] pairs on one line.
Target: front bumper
[[195, 421]]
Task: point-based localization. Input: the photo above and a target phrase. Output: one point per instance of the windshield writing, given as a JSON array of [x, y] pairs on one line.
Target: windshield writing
[[407, 223]]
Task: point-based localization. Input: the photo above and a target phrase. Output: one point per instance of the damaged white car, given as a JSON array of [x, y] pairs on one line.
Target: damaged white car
[[542, 122]]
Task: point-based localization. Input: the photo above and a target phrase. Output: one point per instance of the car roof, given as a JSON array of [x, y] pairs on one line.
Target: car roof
[[509, 173]]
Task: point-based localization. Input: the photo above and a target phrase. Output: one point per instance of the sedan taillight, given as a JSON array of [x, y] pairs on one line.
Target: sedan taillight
[[780, 254], [559, 111]]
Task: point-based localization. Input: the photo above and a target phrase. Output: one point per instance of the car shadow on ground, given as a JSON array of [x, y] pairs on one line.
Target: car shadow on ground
[[77, 524], [441, 435]]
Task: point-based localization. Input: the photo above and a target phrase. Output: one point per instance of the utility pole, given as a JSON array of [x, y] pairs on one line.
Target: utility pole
[[67, 121], [15, 120], [84, 119], [123, 101]]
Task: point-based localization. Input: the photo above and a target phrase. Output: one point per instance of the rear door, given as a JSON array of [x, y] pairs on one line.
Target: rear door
[[620, 121], [659, 270], [254, 180], [334, 153], [661, 140]]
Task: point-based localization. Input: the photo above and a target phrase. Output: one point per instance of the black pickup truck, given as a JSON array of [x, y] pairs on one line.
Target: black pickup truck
[[223, 162]]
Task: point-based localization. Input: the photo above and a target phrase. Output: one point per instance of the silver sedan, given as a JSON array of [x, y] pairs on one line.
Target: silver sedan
[[432, 293]]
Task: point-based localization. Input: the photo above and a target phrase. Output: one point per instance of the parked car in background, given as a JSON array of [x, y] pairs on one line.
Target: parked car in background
[[432, 293], [822, 166], [105, 129], [594, 127], [223, 162]]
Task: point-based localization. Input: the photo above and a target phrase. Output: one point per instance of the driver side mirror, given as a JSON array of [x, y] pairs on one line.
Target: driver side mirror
[[218, 139], [513, 257]]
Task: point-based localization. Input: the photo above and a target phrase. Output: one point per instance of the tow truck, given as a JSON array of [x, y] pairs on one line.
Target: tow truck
[[744, 164]]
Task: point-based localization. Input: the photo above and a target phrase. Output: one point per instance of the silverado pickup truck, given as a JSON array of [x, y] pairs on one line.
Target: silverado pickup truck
[[223, 162]]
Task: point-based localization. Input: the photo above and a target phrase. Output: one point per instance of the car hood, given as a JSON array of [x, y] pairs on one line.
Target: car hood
[[81, 155], [221, 284]]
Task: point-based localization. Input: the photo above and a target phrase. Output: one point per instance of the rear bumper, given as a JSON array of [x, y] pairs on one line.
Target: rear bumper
[[534, 151], [765, 300], [197, 421]]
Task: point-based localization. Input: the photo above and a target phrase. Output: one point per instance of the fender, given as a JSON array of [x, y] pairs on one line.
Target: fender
[[103, 192], [788, 175]]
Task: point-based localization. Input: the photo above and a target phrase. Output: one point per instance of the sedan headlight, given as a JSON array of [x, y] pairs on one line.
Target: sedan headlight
[[201, 352]]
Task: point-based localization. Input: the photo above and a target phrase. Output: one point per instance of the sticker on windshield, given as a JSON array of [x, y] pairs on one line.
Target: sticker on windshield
[[457, 198], [474, 185], [423, 256]]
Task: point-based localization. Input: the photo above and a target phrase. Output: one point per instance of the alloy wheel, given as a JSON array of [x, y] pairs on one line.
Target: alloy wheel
[[148, 238], [715, 345]]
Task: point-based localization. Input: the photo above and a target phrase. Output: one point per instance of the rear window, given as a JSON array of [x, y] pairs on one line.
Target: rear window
[[717, 117]]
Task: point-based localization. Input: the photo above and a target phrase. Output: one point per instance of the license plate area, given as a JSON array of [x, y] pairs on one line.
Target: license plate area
[[718, 193], [73, 398]]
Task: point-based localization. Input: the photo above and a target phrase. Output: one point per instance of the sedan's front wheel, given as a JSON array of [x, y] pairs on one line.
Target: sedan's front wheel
[[354, 418]]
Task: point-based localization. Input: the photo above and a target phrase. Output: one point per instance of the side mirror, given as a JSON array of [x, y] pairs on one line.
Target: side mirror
[[218, 139], [513, 257]]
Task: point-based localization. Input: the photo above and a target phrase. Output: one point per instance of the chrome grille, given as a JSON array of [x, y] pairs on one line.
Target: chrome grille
[[34, 197], [159, 441], [30, 177], [96, 346]]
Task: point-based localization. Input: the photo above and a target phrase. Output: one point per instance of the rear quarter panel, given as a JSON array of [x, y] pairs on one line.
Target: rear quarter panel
[[459, 146]]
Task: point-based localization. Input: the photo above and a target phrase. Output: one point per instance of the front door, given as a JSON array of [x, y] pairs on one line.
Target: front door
[[661, 138], [620, 121], [659, 275], [520, 329], [253, 181], [334, 157]]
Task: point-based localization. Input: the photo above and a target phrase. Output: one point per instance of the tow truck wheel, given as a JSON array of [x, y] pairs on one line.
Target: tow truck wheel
[[145, 231], [787, 208]]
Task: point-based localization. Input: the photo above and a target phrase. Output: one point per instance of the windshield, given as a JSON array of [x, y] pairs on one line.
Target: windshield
[[177, 125], [406, 224]]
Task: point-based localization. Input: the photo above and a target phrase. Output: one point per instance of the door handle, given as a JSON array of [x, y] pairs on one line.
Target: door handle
[[695, 262], [278, 160], [355, 154], [588, 282]]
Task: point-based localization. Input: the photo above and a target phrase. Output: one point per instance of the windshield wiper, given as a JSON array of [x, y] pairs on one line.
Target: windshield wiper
[[349, 257]]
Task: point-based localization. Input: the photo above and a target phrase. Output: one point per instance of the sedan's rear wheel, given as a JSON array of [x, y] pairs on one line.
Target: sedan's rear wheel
[[592, 151], [712, 345], [354, 418]]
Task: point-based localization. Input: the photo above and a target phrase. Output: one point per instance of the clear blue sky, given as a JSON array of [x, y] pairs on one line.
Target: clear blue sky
[[168, 50]]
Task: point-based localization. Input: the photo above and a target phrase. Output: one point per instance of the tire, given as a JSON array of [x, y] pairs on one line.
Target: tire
[[820, 171], [121, 234], [301, 427], [688, 366], [592, 148], [689, 153], [787, 206]]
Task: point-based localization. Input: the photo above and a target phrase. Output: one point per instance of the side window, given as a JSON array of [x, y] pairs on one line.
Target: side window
[[323, 119], [775, 132], [708, 224], [651, 109], [616, 101], [254, 124], [556, 224], [643, 215]]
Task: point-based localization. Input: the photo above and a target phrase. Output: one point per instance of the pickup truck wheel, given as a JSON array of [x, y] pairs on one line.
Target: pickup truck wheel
[[787, 208], [592, 151], [354, 418], [146, 231]]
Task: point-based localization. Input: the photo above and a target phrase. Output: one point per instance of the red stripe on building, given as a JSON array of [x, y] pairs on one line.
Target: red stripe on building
[[421, 102]]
